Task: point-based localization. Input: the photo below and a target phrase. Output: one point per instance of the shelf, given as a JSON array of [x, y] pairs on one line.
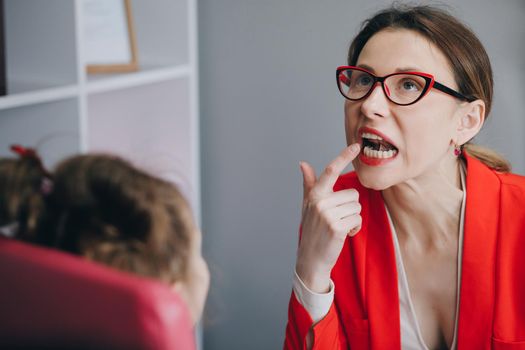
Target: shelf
[[148, 125], [38, 96], [149, 117], [147, 75], [40, 44]]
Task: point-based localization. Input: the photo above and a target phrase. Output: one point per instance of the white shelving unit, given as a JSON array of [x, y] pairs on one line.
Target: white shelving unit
[[149, 117]]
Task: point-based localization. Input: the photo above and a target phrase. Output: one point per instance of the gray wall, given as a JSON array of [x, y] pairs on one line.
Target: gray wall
[[268, 100]]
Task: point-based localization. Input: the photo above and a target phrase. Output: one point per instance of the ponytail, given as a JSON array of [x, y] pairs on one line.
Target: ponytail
[[488, 157], [24, 184]]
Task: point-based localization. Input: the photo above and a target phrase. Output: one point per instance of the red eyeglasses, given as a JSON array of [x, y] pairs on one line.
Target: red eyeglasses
[[403, 88]]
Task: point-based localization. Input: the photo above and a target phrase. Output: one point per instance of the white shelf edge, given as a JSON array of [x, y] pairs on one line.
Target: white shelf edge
[[38, 96], [82, 77], [193, 52], [137, 79]]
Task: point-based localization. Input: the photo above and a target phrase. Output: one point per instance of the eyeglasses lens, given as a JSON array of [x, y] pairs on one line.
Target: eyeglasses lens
[[399, 88]]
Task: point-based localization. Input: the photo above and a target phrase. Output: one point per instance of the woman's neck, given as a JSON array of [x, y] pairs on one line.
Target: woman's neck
[[425, 210]]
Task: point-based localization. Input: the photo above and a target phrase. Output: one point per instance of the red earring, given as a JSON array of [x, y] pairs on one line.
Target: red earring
[[457, 150]]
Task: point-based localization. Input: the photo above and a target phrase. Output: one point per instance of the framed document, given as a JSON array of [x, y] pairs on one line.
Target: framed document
[[3, 76], [109, 36]]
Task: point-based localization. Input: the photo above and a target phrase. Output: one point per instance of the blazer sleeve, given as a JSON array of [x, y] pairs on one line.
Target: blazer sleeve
[[328, 334]]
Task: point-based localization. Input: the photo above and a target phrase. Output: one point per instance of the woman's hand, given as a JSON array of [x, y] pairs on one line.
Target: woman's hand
[[327, 218]]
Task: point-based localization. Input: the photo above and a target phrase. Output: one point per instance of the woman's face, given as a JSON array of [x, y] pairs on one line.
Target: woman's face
[[194, 289], [422, 133]]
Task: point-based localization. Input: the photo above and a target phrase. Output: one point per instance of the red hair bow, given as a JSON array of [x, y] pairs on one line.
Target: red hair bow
[[23, 151]]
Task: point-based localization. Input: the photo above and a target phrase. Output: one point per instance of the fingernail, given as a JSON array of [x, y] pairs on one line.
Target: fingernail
[[355, 147]]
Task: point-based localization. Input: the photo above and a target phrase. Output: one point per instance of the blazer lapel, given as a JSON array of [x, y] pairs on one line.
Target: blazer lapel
[[381, 279], [479, 256]]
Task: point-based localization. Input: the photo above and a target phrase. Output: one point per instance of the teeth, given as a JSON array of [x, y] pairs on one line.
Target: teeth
[[370, 152], [369, 136]]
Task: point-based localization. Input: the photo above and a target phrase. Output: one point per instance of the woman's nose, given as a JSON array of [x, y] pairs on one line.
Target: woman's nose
[[376, 104]]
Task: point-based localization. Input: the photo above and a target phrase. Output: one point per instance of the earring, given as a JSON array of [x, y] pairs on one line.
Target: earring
[[457, 150]]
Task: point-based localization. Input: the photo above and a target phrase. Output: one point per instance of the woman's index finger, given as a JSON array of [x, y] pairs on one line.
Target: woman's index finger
[[332, 171]]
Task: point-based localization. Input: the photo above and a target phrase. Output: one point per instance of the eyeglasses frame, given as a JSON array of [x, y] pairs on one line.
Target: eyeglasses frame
[[429, 79]]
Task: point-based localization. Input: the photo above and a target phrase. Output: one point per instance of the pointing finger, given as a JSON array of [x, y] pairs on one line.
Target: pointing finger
[[329, 176]]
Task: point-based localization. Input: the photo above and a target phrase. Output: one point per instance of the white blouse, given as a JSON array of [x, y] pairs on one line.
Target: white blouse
[[318, 305], [411, 338]]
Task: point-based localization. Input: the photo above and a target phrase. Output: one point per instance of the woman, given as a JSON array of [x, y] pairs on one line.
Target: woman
[[106, 210], [437, 262]]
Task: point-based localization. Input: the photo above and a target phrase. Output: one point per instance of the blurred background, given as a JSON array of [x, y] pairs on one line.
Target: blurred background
[[227, 96]]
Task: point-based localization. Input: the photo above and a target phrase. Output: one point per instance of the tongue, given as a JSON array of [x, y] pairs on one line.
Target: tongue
[[379, 145], [384, 146]]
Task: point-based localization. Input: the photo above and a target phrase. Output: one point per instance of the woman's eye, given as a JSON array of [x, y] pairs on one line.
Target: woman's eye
[[364, 81], [410, 85]]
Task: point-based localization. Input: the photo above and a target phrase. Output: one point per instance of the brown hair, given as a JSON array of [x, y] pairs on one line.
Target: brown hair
[[22, 198], [467, 56], [105, 209]]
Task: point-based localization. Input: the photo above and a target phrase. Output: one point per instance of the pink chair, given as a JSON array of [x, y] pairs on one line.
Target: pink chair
[[55, 300]]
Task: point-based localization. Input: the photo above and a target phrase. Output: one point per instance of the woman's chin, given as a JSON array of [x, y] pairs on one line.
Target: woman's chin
[[374, 182]]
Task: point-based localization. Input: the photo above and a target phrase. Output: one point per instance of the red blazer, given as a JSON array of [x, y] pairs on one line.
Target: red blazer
[[365, 313]]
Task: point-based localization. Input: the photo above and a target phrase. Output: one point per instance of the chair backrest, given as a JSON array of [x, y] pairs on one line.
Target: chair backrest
[[50, 299]]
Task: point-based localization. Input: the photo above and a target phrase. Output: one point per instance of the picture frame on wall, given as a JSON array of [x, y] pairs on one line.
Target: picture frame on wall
[[109, 36], [3, 74]]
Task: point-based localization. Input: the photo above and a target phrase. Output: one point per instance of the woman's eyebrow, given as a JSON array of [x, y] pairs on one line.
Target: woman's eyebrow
[[408, 69], [367, 67], [398, 70]]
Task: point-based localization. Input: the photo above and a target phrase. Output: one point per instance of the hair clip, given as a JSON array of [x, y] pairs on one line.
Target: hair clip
[[23, 151]]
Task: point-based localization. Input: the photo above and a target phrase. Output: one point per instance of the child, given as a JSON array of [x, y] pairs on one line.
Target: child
[[106, 210]]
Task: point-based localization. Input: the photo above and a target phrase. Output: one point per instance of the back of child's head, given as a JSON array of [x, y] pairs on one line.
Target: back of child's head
[[103, 208], [107, 210]]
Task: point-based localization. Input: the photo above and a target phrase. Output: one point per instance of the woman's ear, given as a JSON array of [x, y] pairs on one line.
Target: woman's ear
[[470, 122]]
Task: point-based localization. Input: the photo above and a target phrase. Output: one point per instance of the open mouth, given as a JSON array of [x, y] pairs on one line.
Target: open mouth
[[374, 146]]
